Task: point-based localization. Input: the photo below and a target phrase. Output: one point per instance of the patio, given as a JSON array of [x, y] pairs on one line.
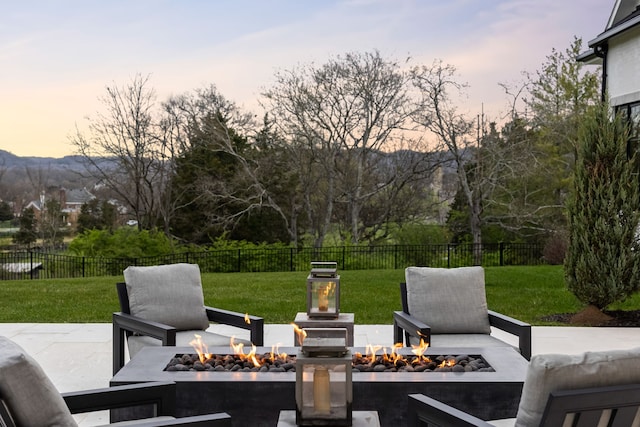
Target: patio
[[78, 356]]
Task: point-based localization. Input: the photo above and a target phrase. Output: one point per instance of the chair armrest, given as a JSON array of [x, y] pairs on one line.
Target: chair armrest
[[515, 327], [124, 323], [411, 327], [255, 324], [134, 324], [423, 409], [620, 401], [221, 419], [160, 394]]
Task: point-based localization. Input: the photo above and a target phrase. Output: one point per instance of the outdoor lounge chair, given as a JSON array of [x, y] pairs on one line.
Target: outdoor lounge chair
[[448, 308], [587, 390], [164, 305], [28, 398]]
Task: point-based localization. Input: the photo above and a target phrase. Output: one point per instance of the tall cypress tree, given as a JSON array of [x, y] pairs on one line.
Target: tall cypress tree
[[603, 261]]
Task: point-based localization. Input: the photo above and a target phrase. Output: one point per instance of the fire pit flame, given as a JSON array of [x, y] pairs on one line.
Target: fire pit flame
[[239, 351], [394, 357], [419, 350], [300, 333], [200, 348], [276, 354], [389, 359]]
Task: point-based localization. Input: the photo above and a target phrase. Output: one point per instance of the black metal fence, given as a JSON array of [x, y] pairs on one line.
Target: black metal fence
[[33, 265]]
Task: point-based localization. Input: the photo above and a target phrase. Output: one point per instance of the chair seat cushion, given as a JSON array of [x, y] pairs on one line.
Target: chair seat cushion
[[137, 422], [505, 422], [169, 294], [30, 396], [449, 300], [463, 340], [553, 372], [183, 338]]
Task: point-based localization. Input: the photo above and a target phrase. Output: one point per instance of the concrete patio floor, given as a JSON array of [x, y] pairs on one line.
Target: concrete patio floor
[[77, 356]]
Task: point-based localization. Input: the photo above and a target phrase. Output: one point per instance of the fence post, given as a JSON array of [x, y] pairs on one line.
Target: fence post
[[395, 257], [448, 255], [30, 264], [239, 261], [501, 254], [291, 259], [83, 266]]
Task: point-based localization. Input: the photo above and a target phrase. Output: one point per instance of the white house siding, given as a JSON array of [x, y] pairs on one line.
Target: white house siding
[[623, 68]]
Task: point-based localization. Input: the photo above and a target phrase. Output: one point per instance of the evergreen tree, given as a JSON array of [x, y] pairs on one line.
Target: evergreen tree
[[603, 261], [28, 232], [200, 170], [96, 214], [6, 212]]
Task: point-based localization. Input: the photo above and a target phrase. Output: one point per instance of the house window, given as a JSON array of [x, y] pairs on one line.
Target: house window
[[631, 114]]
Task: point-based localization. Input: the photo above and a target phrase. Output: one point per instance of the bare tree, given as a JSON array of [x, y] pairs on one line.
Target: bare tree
[[337, 118], [454, 133], [125, 150]]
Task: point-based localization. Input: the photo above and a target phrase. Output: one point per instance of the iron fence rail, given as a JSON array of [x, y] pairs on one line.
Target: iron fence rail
[[44, 265]]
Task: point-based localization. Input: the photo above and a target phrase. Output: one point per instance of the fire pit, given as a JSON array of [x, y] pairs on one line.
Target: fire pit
[[487, 395], [269, 362], [375, 359]]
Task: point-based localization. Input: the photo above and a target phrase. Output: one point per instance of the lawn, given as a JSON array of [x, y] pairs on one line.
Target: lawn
[[526, 293]]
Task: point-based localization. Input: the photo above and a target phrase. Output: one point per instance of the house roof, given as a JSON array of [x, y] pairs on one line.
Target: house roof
[[624, 16], [622, 9], [78, 196], [71, 197]]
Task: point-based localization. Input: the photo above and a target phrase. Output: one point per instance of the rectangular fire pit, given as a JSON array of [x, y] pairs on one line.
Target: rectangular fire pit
[[256, 398]]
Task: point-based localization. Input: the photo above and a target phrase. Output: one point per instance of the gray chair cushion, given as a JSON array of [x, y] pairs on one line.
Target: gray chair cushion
[[449, 300], [169, 294], [183, 338], [144, 421], [505, 422], [551, 372], [463, 340], [29, 394]]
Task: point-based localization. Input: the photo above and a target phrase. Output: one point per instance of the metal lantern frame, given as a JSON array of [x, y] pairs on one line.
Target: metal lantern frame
[[323, 291], [324, 387]]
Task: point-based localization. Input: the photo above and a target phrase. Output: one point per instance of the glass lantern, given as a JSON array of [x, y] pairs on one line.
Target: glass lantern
[[324, 390], [323, 291]]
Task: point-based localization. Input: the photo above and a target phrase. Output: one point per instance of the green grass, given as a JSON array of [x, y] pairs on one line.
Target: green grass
[[526, 293]]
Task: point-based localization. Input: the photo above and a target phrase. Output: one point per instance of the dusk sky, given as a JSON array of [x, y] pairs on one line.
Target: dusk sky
[[57, 56]]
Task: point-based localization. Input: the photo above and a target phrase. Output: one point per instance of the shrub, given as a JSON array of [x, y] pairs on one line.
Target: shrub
[[603, 261]]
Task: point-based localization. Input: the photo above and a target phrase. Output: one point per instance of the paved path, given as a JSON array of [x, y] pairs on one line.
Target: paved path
[[77, 356]]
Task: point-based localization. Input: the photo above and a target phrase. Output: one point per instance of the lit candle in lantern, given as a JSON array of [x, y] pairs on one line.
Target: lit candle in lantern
[[323, 298], [321, 391]]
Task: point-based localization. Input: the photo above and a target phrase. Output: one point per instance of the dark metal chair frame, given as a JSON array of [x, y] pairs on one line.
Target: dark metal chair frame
[[162, 395], [586, 404], [404, 322], [125, 324]]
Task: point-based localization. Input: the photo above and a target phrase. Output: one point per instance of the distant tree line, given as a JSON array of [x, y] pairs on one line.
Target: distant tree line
[[361, 149]]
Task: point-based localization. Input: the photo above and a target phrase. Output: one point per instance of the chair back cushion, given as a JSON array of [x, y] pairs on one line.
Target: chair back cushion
[[554, 372], [449, 300], [30, 396], [169, 294]]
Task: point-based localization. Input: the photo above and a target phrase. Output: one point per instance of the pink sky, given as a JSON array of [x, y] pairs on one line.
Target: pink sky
[[57, 57]]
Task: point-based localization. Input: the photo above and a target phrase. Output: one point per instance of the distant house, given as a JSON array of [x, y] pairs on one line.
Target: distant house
[[71, 202], [617, 50]]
